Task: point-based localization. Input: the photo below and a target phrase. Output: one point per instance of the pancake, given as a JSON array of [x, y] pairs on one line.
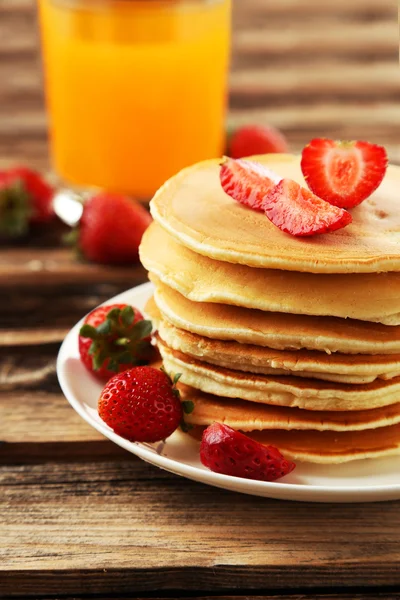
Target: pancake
[[356, 369], [331, 447], [365, 297], [195, 210], [285, 390], [275, 330], [249, 416], [328, 447]]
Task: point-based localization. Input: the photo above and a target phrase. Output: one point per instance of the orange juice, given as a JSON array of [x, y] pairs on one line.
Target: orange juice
[[136, 89]]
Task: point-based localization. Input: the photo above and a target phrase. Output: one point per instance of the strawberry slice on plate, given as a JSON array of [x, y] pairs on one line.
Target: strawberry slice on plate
[[343, 173], [296, 210], [247, 182], [225, 450]]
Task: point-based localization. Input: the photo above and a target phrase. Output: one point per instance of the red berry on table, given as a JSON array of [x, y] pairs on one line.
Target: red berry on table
[[246, 181], [114, 338], [256, 139], [141, 405], [299, 212], [111, 228], [227, 451], [25, 198], [343, 173]]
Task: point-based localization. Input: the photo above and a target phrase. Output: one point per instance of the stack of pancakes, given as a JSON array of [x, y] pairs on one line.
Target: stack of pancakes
[[295, 341]]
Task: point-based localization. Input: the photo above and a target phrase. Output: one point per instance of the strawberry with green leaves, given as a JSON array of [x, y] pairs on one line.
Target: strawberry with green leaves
[[25, 198], [114, 338]]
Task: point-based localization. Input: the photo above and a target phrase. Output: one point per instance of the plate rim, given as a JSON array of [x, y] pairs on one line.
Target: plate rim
[[199, 474]]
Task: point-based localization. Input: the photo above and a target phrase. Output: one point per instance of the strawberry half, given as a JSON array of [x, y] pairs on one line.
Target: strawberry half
[[247, 182], [230, 452], [288, 205], [114, 338], [343, 173], [141, 405], [297, 211]]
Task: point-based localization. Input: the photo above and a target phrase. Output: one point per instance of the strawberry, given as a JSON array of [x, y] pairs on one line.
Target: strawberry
[[256, 139], [25, 198], [141, 405], [247, 182], [111, 228], [343, 173], [113, 339], [288, 205], [230, 452], [297, 211]]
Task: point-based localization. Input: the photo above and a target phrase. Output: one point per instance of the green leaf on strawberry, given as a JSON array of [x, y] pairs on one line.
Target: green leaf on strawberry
[[114, 338]]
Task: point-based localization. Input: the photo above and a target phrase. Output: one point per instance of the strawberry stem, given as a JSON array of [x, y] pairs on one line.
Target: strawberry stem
[[15, 210], [116, 340]]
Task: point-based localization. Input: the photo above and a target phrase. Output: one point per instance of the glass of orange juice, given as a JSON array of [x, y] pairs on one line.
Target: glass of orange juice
[[136, 89]]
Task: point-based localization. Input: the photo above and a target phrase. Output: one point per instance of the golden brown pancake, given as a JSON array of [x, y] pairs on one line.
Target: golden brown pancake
[[195, 210], [275, 330], [355, 369], [309, 394], [367, 297], [249, 416], [332, 447]]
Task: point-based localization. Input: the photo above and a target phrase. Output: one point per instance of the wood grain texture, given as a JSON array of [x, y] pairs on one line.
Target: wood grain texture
[[312, 68], [80, 517], [22, 266], [120, 526], [321, 596]]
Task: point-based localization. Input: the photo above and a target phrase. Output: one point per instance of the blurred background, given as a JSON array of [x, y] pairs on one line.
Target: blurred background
[[311, 68]]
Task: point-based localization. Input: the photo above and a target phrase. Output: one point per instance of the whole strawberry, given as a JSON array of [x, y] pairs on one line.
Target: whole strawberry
[[230, 452], [256, 139], [114, 338], [25, 198], [141, 405], [111, 228]]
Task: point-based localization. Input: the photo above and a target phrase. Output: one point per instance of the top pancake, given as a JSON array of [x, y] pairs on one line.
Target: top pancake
[[194, 209]]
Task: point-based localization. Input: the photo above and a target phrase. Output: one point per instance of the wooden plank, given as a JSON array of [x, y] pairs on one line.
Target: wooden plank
[[356, 8], [122, 526], [365, 595], [320, 79], [358, 40], [22, 266], [36, 416]]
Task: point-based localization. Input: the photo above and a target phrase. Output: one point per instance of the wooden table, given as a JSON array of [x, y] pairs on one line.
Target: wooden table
[[80, 518]]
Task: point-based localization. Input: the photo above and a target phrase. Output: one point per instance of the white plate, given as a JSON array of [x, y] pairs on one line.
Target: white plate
[[357, 481]]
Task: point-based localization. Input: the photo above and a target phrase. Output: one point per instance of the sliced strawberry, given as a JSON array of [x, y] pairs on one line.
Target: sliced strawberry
[[343, 173], [256, 139], [297, 211], [230, 452], [247, 182]]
